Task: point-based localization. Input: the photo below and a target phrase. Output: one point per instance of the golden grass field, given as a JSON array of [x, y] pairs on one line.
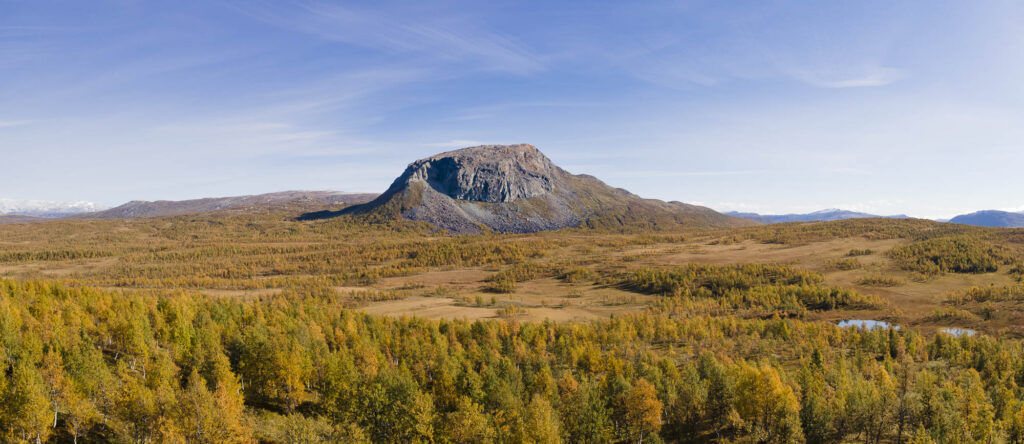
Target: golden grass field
[[158, 251], [547, 298]]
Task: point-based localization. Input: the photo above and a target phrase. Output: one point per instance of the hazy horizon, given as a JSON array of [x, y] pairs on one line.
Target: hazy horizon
[[774, 108]]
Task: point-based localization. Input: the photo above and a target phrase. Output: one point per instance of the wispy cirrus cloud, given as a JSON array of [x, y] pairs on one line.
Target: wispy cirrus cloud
[[850, 78], [15, 123], [672, 173], [433, 37], [456, 143]]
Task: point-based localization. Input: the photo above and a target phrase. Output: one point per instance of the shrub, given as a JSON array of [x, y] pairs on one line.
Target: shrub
[[715, 280], [842, 264], [579, 274], [772, 287], [502, 284], [511, 311], [878, 280], [986, 294], [956, 254], [951, 314], [1018, 271]]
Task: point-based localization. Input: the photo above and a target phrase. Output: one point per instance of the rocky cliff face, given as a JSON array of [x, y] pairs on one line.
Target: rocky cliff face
[[516, 188], [490, 173]]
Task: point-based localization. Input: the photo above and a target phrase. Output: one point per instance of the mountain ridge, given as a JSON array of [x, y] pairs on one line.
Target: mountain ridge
[[143, 208], [991, 218], [829, 214]]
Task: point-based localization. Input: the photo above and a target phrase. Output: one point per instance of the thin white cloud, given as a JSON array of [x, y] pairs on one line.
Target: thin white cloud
[[434, 37], [670, 173], [501, 109], [856, 78], [14, 123], [457, 143]]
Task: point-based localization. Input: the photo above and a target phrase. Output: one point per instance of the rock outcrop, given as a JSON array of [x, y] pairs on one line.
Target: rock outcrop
[[490, 173], [517, 189]]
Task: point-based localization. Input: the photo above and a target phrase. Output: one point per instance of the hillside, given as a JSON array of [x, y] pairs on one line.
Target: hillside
[[19, 219], [991, 218], [139, 208], [517, 189]]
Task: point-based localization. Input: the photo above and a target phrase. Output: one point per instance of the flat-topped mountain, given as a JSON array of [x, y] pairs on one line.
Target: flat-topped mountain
[[142, 208], [516, 188]]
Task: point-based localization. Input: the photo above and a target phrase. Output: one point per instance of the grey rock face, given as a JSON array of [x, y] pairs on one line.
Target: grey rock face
[[490, 173]]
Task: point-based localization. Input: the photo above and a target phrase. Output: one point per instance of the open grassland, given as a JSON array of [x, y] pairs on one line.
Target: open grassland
[[407, 269], [228, 327]]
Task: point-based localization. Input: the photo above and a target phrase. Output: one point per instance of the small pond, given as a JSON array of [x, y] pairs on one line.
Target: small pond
[[956, 331], [866, 324]]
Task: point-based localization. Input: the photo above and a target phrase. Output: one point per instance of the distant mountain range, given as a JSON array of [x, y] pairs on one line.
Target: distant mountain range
[[817, 216], [45, 208], [512, 188], [142, 208], [986, 218], [991, 218], [19, 219]]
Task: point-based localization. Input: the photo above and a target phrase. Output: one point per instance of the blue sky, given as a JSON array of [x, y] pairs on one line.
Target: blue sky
[[910, 107]]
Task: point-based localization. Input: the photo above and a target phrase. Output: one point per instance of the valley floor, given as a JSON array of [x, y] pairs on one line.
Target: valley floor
[[121, 330]]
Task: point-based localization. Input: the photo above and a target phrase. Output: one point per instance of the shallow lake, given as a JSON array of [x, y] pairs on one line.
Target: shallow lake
[[956, 331], [866, 324]]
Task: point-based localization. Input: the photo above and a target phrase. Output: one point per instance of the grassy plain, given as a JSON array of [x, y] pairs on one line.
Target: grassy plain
[[409, 270]]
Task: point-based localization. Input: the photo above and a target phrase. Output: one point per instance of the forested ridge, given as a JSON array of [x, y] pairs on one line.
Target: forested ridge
[[126, 339]]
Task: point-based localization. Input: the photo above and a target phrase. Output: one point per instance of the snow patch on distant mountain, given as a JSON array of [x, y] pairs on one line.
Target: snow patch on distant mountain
[[46, 208]]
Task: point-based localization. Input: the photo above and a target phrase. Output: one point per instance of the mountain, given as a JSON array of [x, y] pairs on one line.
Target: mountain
[[817, 216], [141, 208], [991, 218], [517, 189], [45, 208]]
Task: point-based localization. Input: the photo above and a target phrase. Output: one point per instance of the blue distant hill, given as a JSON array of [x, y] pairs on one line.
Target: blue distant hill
[[817, 216], [991, 218]]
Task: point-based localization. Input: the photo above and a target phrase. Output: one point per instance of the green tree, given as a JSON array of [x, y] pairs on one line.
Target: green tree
[[643, 410], [468, 423], [541, 422]]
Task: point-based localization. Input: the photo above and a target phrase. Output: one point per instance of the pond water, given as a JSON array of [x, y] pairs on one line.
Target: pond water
[[956, 331], [866, 324]]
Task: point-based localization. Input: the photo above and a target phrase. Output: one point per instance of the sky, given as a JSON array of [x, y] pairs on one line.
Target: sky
[[912, 107]]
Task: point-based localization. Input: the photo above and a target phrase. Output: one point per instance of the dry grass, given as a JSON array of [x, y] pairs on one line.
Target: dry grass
[[283, 253]]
